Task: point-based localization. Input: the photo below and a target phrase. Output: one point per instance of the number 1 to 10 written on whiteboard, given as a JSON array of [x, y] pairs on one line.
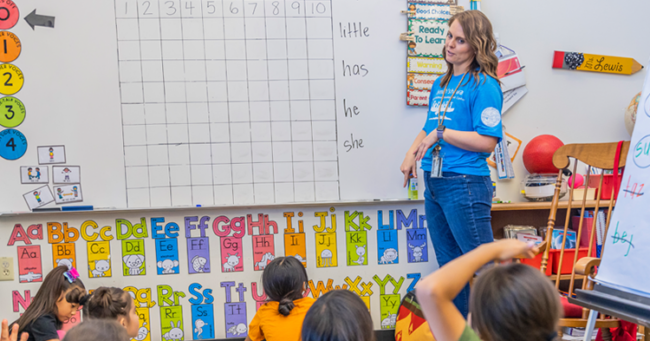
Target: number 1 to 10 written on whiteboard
[[221, 9]]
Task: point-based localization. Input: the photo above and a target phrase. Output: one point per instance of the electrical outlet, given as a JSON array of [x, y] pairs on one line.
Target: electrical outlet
[[6, 269]]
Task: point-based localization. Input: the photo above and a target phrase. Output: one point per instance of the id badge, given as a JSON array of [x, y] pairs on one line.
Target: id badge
[[436, 163]]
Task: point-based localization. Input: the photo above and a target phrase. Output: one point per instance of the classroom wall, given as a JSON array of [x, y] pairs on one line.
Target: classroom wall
[[577, 107]]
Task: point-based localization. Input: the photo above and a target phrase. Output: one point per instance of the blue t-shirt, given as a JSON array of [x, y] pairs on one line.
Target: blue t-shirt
[[474, 108]]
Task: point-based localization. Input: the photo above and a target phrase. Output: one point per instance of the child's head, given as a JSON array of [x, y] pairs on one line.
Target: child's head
[[60, 294], [514, 302], [284, 280], [93, 330], [113, 304], [339, 315]]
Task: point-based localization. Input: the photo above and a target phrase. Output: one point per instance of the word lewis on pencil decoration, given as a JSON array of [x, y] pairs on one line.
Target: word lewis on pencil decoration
[[595, 63], [354, 30]]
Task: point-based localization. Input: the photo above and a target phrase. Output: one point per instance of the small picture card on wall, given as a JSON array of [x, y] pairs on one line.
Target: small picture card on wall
[[418, 97], [426, 65], [447, 2], [51, 155], [420, 81], [429, 38], [38, 197], [34, 175], [66, 174], [429, 11], [67, 193]]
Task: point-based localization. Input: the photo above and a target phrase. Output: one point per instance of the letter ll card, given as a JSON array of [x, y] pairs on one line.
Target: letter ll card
[[38, 197]]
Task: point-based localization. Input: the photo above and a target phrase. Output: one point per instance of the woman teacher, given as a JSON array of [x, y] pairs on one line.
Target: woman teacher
[[463, 126]]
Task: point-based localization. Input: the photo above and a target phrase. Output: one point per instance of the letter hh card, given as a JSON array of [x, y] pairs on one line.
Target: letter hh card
[[263, 251]]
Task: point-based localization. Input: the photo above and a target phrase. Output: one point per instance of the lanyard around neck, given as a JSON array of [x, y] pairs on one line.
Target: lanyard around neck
[[441, 119]]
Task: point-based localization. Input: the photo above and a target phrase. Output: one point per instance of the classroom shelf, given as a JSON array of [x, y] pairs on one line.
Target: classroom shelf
[[545, 205]]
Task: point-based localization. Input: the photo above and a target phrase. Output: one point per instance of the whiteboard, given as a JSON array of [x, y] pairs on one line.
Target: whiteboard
[[185, 265], [215, 102], [627, 237]]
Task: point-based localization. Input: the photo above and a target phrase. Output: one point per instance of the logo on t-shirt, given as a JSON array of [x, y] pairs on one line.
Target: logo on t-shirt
[[491, 117]]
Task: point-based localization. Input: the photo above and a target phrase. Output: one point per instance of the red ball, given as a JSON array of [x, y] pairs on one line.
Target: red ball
[[538, 154]]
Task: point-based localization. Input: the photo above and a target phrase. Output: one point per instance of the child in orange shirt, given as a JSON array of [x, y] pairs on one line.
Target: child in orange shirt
[[280, 319]]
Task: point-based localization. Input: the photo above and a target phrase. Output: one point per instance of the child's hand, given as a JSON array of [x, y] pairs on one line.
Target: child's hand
[[507, 249], [4, 335]]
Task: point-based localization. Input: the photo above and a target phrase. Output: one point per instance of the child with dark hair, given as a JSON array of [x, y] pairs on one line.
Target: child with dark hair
[[113, 304], [96, 330], [339, 315], [508, 303], [56, 301], [285, 281]]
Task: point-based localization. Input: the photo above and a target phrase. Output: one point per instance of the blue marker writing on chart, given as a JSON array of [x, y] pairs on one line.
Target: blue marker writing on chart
[[616, 238]]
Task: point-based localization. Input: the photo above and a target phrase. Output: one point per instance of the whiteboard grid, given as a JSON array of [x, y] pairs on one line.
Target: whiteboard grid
[[227, 102]]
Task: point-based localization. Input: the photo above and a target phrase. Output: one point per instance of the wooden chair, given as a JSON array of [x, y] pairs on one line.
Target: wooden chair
[[599, 155]]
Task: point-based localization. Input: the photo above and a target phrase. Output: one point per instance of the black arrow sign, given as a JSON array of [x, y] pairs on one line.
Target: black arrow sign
[[34, 19]]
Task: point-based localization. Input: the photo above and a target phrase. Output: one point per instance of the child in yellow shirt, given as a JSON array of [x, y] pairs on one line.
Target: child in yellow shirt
[[280, 319]]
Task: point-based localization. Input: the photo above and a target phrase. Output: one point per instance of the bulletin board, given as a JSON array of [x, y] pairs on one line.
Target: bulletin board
[[201, 270]]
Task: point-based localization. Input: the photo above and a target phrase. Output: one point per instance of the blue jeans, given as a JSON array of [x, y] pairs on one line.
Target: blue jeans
[[458, 214]]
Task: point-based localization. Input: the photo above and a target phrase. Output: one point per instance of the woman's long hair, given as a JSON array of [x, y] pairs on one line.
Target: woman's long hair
[[478, 33]]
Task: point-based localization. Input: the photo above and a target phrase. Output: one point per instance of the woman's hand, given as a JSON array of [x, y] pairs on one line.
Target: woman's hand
[[427, 143], [4, 335], [409, 167], [506, 249]]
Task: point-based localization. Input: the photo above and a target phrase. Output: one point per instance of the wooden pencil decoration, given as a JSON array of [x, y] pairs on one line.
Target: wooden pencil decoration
[[595, 63]]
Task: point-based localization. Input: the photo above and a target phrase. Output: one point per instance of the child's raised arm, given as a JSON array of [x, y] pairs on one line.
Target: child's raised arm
[[436, 292], [4, 336]]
